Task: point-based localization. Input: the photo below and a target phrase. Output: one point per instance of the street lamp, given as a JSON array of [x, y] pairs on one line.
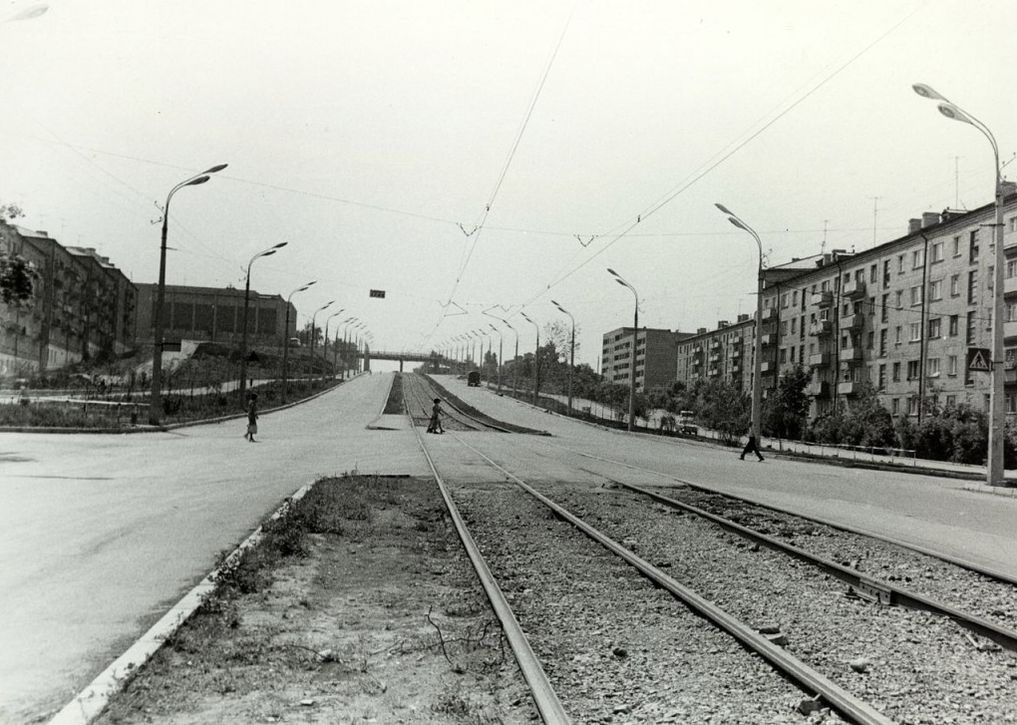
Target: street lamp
[[572, 350], [501, 357], [515, 359], [286, 337], [155, 400], [757, 353], [324, 354], [536, 359], [314, 333], [994, 469], [635, 341], [247, 296]]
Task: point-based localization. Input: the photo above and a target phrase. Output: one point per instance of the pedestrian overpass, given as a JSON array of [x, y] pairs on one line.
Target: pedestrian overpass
[[434, 361]]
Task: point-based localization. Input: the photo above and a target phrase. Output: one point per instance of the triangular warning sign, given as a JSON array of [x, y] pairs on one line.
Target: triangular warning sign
[[978, 359]]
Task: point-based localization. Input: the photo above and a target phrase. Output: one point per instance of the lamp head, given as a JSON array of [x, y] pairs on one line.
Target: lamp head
[[198, 180], [215, 169], [952, 112], [613, 272], [738, 223], [267, 253], [280, 245], [926, 91], [724, 209]]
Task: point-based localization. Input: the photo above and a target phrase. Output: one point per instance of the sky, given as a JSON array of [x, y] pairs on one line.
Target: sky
[[487, 157]]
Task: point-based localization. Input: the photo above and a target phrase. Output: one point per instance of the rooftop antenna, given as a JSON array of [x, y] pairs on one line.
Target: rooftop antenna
[[956, 182], [822, 248], [875, 211]]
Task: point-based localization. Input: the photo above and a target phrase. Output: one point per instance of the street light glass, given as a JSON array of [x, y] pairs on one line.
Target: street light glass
[[926, 91], [724, 209], [214, 169], [738, 224], [952, 112], [199, 180]]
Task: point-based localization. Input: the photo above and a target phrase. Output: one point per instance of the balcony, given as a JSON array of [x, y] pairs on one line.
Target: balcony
[[1010, 329], [847, 388], [767, 313], [1010, 285], [714, 358], [853, 289], [714, 344], [820, 389], [850, 355], [713, 372], [768, 339], [822, 299], [736, 368], [736, 352], [767, 367], [852, 322], [820, 328], [819, 360]]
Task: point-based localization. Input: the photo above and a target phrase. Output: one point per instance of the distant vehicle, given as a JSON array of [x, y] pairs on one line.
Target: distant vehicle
[[687, 423], [294, 342], [473, 379]]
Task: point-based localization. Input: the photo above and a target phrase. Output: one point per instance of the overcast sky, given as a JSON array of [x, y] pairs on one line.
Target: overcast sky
[[372, 136]]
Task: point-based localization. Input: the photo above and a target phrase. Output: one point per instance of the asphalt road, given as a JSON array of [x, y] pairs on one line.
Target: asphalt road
[[100, 534]]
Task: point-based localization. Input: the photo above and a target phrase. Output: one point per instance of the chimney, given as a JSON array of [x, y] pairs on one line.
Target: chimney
[[929, 218], [1009, 188], [914, 225], [721, 324], [743, 317], [701, 331]]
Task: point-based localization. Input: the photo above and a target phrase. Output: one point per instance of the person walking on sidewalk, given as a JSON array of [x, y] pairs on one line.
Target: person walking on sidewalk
[[252, 417], [750, 447]]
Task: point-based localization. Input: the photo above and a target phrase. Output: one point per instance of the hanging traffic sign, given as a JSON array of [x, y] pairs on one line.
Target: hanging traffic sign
[[978, 360]]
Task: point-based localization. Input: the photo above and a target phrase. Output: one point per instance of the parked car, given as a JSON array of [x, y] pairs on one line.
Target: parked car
[[473, 379], [687, 423]]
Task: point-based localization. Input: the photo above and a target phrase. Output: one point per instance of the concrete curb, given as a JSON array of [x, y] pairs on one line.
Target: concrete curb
[[88, 704]]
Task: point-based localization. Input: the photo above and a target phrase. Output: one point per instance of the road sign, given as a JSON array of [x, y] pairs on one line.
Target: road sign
[[979, 360], [378, 293]]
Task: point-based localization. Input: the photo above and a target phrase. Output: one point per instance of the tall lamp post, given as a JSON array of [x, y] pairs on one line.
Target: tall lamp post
[[757, 350], [286, 337], [155, 399], [635, 342], [515, 359], [314, 333], [247, 297], [994, 469], [572, 350], [324, 353], [536, 359], [501, 357]]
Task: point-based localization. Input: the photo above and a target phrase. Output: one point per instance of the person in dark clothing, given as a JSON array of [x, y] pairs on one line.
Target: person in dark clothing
[[434, 425], [252, 417], [750, 447]]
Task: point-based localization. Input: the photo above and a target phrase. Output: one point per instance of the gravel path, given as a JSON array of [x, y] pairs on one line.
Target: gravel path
[[615, 648], [967, 590], [913, 666]]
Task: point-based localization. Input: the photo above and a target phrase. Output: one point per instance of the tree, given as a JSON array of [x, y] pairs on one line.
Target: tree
[[784, 414], [17, 274]]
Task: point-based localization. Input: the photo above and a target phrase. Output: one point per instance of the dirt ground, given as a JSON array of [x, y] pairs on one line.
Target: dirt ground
[[371, 615]]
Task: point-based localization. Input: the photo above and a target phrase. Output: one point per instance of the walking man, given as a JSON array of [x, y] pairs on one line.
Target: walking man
[[434, 425], [750, 447], [252, 417]]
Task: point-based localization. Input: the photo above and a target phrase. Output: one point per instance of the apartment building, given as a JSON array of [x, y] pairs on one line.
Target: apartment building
[[724, 353], [215, 314], [656, 357], [901, 316], [83, 306]]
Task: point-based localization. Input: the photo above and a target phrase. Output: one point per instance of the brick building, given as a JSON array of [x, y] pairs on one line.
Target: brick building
[[656, 357]]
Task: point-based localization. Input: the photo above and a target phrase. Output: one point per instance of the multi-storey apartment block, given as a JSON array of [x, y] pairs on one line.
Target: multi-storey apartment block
[[721, 354], [656, 357], [83, 306]]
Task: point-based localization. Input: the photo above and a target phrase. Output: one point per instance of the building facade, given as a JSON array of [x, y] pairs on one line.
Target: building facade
[[656, 357], [83, 307], [900, 317], [215, 314], [724, 353]]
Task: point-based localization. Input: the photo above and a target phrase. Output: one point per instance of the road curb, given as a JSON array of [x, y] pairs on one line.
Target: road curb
[[88, 704]]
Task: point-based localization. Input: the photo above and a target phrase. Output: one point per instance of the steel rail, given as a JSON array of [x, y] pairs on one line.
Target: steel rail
[[544, 697], [461, 415], [857, 710], [948, 558]]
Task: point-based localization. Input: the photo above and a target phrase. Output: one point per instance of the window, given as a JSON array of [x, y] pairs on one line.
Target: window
[[1013, 224], [917, 258], [1011, 267], [916, 295], [972, 322], [936, 290], [916, 331], [783, 354], [874, 273], [794, 326], [951, 366], [973, 287], [900, 299], [936, 252], [900, 264], [783, 301], [953, 325], [871, 342], [935, 327], [973, 247], [912, 406], [990, 280], [1011, 311], [896, 372], [913, 370], [881, 384], [886, 274], [956, 246], [955, 285], [884, 312], [932, 367], [895, 406], [951, 401], [882, 342], [897, 338]]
